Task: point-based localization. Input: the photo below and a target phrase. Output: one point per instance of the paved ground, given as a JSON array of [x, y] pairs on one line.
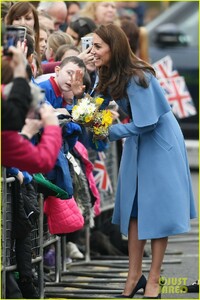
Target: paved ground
[[105, 278]]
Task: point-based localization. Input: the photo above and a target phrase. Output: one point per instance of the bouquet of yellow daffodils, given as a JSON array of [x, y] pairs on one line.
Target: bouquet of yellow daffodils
[[84, 111], [102, 121]]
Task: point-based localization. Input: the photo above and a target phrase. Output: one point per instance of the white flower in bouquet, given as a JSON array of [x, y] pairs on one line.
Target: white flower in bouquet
[[84, 111]]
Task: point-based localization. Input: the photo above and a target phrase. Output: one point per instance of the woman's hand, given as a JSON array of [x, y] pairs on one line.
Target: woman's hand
[[115, 114], [88, 59], [20, 177], [86, 56], [18, 60], [31, 127], [62, 111], [99, 137], [48, 115]]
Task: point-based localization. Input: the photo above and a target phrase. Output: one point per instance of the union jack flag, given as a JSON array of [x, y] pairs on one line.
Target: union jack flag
[[175, 88], [164, 68], [101, 176], [178, 96]]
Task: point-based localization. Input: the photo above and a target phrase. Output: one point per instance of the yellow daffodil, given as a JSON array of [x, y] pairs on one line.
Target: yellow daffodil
[[86, 111], [107, 118], [99, 101], [88, 118]]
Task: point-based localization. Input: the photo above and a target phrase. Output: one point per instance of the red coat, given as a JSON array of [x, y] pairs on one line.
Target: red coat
[[21, 153], [50, 67]]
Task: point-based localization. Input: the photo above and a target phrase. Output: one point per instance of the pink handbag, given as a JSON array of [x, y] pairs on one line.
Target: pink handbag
[[63, 216]]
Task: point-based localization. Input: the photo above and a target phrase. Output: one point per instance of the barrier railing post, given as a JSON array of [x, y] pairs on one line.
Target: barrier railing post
[[3, 233], [58, 260], [41, 241]]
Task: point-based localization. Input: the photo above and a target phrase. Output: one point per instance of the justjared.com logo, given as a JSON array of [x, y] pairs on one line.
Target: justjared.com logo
[[173, 285]]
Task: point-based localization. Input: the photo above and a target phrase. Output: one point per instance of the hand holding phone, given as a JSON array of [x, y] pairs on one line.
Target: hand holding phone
[[13, 35], [86, 55], [86, 42], [18, 61]]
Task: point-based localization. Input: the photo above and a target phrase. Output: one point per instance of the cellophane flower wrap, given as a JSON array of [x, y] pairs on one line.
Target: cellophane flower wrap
[[84, 111]]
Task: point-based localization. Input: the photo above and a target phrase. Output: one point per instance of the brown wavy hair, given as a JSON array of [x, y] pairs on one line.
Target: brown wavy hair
[[19, 9], [123, 64]]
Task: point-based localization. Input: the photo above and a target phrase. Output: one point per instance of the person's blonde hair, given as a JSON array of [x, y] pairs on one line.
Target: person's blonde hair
[[58, 38], [43, 28], [89, 11], [63, 49]]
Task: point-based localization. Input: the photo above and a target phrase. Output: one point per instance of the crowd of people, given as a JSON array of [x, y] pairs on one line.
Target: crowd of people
[[43, 76]]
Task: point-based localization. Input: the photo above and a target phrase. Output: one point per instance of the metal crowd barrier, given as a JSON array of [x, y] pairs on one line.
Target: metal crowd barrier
[[107, 199], [107, 203], [41, 238]]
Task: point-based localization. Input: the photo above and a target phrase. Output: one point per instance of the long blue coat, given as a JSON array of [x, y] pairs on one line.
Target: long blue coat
[[154, 162]]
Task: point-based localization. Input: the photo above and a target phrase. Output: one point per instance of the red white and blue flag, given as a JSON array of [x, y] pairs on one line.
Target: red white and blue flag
[[101, 176], [164, 68], [175, 88], [178, 97]]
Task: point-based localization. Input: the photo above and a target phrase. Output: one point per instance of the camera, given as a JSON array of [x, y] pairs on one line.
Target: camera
[[38, 98], [86, 42], [11, 36]]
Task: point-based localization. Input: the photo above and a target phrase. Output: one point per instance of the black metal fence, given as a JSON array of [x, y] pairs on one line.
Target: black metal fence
[[40, 236]]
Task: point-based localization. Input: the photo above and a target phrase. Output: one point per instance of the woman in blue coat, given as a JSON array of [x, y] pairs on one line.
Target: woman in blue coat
[[154, 196]]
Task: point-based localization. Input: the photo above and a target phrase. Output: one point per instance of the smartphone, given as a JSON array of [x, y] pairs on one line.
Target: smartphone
[[11, 36], [86, 42]]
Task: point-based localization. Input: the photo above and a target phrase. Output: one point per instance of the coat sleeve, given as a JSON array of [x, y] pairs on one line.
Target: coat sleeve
[[15, 108], [120, 131], [22, 154]]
